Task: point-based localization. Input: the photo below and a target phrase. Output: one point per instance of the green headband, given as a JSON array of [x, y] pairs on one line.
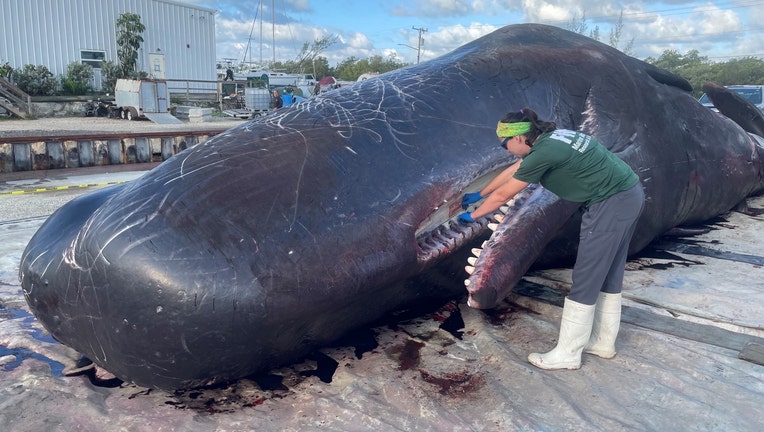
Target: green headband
[[508, 130]]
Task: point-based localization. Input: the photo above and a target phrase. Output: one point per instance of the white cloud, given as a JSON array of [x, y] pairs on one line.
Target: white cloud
[[446, 39], [432, 8], [552, 11], [298, 5], [711, 31], [654, 27]]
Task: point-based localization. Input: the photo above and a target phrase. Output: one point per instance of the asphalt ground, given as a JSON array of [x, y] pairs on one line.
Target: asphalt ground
[[30, 194], [93, 125]]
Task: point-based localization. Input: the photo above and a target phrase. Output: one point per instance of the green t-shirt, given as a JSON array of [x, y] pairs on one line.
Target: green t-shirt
[[575, 167]]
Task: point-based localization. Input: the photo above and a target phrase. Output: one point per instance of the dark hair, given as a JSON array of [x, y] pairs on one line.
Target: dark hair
[[538, 127]]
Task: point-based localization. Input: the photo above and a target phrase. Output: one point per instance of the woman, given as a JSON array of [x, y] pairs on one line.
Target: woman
[[576, 167], [277, 102]]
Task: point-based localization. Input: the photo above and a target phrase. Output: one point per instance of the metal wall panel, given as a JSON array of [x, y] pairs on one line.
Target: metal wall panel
[[53, 33]]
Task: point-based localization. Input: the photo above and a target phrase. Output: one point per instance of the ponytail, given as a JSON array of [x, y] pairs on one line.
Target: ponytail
[[538, 127]]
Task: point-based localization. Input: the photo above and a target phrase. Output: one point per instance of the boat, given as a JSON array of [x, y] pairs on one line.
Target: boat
[[282, 79]]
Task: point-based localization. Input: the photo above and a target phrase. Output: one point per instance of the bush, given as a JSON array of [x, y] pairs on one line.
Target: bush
[[77, 79], [6, 71], [35, 80], [111, 72]]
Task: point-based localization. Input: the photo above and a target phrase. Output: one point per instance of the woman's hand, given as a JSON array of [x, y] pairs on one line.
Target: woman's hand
[[470, 198]]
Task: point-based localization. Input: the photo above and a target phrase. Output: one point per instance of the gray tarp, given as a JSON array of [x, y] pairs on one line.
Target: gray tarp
[[423, 378]]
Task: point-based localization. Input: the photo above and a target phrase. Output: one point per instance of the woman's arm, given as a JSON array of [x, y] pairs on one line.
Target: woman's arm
[[499, 197], [500, 179]]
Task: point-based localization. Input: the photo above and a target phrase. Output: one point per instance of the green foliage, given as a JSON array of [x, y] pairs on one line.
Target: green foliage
[[699, 69], [747, 70], [111, 72], [310, 52], [673, 61], [129, 39], [351, 68], [615, 37], [691, 66], [580, 26], [35, 80], [77, 79], [310, 61], [577, 26], [321, 68], [6, 71]]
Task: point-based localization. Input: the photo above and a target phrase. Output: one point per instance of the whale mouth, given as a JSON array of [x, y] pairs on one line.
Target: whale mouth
[[446, 238], [503, 219], [440, 234]]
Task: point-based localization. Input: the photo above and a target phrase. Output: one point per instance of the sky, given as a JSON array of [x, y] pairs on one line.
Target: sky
[[720, 29]]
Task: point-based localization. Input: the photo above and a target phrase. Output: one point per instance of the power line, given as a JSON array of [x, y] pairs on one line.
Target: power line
[[684, 10], [673, 11]]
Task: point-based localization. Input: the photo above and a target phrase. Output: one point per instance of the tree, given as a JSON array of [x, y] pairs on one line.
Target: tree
[[129, 39], [747, 70], [111, 72], [615, 36], [321, 68], [346, 69], [691, 66], [351, 68], [580, 26], [77, 78], [673, 61], [310, 52], [577, 26], [698, 69]]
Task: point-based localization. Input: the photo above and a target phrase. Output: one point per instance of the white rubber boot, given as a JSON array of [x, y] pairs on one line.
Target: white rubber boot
[[607, 322], [575, 328]]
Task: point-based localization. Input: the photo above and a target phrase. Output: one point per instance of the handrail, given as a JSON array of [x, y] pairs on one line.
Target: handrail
[[16, 96]]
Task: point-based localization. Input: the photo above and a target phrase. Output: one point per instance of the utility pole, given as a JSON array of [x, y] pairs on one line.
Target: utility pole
[[420, 42]]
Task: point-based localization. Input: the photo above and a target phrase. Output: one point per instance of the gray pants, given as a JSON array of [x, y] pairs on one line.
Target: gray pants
[[606, 230]]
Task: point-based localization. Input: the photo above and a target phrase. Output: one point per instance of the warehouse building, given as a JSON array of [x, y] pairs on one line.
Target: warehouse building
[[178, 42]]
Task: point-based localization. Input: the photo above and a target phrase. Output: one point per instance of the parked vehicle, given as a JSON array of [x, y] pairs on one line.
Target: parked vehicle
[[754, 94], [150, 99], [99, 108]]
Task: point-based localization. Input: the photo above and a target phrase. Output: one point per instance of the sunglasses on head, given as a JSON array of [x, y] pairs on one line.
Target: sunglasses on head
[[504, 142]]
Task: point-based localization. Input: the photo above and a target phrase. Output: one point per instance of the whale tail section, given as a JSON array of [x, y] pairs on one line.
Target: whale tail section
[[736, 107]]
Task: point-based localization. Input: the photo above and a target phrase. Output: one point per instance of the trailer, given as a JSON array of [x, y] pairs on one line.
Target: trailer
[[136, 99]]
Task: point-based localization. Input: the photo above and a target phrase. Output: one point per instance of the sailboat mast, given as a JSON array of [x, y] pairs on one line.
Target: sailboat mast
[[261, 32], [273, 29]]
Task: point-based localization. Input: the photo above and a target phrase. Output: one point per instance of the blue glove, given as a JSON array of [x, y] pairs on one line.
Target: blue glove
[[470, 198], [465, 218]]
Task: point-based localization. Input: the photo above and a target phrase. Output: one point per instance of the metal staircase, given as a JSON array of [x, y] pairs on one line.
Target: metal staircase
[[14, 100]]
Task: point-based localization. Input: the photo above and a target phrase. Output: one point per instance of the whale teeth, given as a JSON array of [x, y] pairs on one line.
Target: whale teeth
[[469, 269], [484, 243], [466, 282], [498, 217], [504, 209], [472, 260], [493, 226], [476, 251]]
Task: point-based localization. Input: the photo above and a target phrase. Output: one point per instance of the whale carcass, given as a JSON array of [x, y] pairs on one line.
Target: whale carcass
[[278, 236]]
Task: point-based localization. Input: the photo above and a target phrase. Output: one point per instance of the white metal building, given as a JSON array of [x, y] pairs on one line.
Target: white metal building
[[178, 42]]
